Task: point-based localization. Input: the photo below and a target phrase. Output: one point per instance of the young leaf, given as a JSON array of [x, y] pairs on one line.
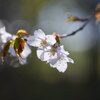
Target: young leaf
[[21, 32], [6, 48], [19, 45]]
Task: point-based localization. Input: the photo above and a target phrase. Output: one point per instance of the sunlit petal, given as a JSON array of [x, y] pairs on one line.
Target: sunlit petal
[[50, 39], [22, 60], [39, 34], [26, 51], [12, 51]]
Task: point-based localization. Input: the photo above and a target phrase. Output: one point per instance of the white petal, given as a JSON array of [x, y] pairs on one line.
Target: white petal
[[4, 36], [14, 37], [61, 49], [47, 55], [32, 41], [40, 54], [61, 65], [70, 60], [39, 34], [26, 51], [12, 51], [43, 55], [52, 62], [22, 60], [50, 39], [2, 30]]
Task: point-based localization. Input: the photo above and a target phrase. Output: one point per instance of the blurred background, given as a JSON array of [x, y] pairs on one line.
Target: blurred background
[[37, 80]]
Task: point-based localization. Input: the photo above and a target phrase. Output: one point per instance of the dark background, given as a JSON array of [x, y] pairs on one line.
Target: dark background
[[37, 80]]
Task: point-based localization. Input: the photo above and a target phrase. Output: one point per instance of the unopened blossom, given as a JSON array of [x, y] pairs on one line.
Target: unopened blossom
[[75, 18], [56, 56], [39, 39]]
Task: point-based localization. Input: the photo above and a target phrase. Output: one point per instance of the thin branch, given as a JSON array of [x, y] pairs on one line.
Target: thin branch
[[74, 32], [79, 29]]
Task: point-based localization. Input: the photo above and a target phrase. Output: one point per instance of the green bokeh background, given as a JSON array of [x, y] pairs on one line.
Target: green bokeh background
[[37, 80]]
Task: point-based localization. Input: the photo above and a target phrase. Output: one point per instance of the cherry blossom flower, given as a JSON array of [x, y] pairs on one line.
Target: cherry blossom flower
[[6, 37], [56, 56], [60, 62], [39, 39]]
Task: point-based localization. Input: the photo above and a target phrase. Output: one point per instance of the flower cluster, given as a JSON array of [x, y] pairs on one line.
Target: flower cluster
[[48, 47], [49, 50]]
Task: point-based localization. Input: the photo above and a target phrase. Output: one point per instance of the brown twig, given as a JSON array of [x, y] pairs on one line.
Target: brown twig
[[79, 29]]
